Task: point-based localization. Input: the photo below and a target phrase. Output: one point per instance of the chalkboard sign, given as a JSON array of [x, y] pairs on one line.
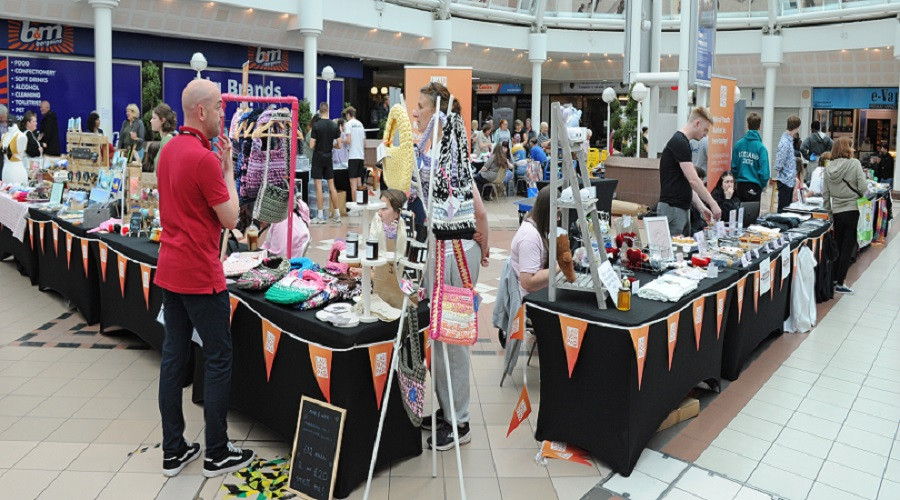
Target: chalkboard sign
[[317, 447]]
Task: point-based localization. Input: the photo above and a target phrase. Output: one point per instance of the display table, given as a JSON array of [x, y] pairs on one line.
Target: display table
[[15, 237], [600, 408]]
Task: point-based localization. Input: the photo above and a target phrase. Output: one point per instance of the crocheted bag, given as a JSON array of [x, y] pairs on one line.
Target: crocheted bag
[[411, 370], [399, 161], [265, 275], [239, 263], [272, 200], [294, 290], [454, 311], [453, 205]]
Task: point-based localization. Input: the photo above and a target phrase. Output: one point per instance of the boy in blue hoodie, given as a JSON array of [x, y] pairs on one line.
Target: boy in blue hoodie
[[750, 162]]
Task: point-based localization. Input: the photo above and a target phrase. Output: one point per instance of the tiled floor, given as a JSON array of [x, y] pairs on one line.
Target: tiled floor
[[814, 416]]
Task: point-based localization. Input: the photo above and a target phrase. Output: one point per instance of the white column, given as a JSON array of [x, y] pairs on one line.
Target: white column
[[771, 57], [537, 54], [652, 108], [310, 24], [103, 61], [442, 39], [684, 63]]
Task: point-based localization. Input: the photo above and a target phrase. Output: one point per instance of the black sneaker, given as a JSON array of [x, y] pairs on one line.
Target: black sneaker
[[426, 422], [843, 289], [173, 464], [232, 459], [445, 436]]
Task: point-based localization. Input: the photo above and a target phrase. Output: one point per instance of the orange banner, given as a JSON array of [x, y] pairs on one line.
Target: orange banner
[[523, 409], [270, 338], [756, 292], [572, 335], [672, 329], [321, 365], [721, 107], [741, 285], [380, 361], [517, 329], [84, 255], [123, 268], [457, 79], [55, 228], [234, 303], [31, 232], [104, 251], [698, 307], [563, 451], [145, 283], [41, 234], [640, 337], [720, 310], [68, 250]]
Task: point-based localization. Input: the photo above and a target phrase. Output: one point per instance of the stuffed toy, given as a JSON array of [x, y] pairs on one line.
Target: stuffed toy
[[564, 257]]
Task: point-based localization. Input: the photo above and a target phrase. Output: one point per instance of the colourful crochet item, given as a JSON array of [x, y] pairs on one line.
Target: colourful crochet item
[[399, 161], [293, 290], [303, 263], [265, 275]]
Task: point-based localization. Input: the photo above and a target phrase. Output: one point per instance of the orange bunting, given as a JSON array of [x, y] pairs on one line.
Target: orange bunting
[[123, 268], [517, 329], [523, 409], [234, 303], [697, 307], [145, 284], [755, 293], [772, 278], [270, 337], [672, 334], [85, 255], [68, 250], [380, 361], [795, 252], [321, 366], [572, 335], [640, 337], [741, 285], [55, 228], [821, 244], [720, 309], [104, 252], [563, 451], [41, 234], [31, 232]]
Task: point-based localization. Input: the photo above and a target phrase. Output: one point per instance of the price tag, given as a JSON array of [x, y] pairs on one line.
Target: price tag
[[720, 229], [626, 220], [740, 219], [635, 286], [610, 281], [712, 271], [380, 152], [700, 238], [679, 257], [745, 260], [732, 221], [785, 262], [765, 276]]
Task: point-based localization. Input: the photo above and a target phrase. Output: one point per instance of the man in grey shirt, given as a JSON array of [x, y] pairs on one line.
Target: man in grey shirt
[[699, 153]]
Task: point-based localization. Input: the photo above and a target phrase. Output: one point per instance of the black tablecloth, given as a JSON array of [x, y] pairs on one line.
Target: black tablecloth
[[25, 256], [600, 408], [67, 277]]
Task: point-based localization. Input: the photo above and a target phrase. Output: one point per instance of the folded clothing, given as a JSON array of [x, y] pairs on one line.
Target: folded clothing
[[667, 288]]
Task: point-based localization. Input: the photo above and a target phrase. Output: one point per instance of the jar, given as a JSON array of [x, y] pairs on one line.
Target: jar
[[624, 299], [362, 196], [253, 237], [352, 245], [372, 249], [416, 252]]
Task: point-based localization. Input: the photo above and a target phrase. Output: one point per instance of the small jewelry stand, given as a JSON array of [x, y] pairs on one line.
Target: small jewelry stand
[[369, 210]]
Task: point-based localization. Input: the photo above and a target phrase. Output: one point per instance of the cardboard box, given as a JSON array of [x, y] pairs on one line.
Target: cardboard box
[[688, 408]]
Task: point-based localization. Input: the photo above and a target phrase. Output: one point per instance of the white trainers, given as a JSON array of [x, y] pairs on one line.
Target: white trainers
[[336, 220], [318, 220]]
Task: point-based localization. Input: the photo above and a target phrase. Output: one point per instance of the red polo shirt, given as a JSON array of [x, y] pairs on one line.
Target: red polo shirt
[[190, 184]]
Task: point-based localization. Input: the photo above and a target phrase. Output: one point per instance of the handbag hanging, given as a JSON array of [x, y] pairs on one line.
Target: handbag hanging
[[453, 206], [454, 310], [399, 161], [411, 370], [272, 202]]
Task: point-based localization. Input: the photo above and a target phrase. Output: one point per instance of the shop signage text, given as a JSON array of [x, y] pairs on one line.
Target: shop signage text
[[268, 59], [499, 88], [41, 37], [855, 98]]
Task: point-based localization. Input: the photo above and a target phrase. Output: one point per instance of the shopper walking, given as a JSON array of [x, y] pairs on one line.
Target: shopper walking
[[163, 122], [49, 133], [356, 138], [131, 134], [845, 182], [785, 165], [813, 146], [680, 187], [197, 198], [323, 137], [750, 162]]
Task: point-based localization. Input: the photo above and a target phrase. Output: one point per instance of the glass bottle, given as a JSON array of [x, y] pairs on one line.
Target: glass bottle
[[624, 301]]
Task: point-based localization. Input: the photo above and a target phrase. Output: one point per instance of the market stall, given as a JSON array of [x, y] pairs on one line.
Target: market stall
[[16, 237]]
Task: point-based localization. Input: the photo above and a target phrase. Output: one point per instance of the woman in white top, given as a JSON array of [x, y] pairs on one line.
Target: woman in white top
[[14, 143]]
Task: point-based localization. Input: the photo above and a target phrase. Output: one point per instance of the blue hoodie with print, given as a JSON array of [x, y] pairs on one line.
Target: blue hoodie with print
[[750, 160]]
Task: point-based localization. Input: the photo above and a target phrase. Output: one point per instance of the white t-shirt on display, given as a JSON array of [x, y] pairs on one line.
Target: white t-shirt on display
[[357, 139]]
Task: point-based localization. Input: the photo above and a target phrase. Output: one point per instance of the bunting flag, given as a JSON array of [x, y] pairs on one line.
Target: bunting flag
[[697, 307], [523, 409], [84, 255], [517, 329], [755, 293], [720, 310], [271, 335], [234, 303], [815, 246], [31, 232], [380, 360], [427, 344], [122, 267], [104, 252], [640, 337], [41, 234], [794, 257], [563, 451], [55, 228], [321, 365], [145, 283], [68, 250], [772, 278], [741, 285], [672, 328], [572, 335], [821, 244]]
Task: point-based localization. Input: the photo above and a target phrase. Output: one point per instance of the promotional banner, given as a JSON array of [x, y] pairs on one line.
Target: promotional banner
[[271, 337], [457, 79], [523, 409], [572, 335], [720, 310], [741, 284], [321, 365], [41, 37], [55, 228], [380, 361], [640, 336], [697, 308], [68, 250], [563, 451], [672, 329], [517, 329], [85, 255], [145, 284], [122, 267], [721, 107], [31, 232], [703, 41], [234, 303], [104, 251]]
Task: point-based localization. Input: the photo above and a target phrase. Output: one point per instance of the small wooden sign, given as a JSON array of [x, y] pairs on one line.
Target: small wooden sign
[[316, 450]]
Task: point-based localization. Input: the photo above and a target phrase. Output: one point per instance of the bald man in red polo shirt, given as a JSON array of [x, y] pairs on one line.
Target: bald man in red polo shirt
[[197, 198]]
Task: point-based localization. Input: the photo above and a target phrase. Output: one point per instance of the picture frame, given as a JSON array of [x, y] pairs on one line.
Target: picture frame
[[659, 236]]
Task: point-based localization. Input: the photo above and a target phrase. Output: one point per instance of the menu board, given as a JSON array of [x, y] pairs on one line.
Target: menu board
[[317, 447]]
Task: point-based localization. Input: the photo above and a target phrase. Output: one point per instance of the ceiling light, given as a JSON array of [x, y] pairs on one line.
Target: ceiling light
[[467, 44], [374, 90], [586, 61], [867, 48], [421, 38], [398, 35], [488, 49], [211, 4], [285, 15], [373, 30], [250, 11]]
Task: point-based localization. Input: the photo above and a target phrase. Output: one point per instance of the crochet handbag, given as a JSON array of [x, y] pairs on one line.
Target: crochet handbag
[[272, 202], [239, 263], [265, 275], [454, 311], [411, 370], [399, 161], [453, 206], [293, 289]]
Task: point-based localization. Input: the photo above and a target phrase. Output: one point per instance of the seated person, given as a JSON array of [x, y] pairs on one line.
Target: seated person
[[499, 159], [274, 238], [387, 225], [724, 194], [528, 250]]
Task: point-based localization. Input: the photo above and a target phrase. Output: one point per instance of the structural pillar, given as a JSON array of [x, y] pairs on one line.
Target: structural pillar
[[653, 106], [684, 63], [442, 39], [771, 56], [103, 61], [537, 54], [310, 25]]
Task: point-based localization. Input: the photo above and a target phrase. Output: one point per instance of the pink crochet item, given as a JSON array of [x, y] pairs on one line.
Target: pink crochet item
[[333, 266]]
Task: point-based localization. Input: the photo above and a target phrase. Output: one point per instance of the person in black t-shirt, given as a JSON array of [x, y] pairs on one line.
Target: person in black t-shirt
[[678, 181], [322, 139]]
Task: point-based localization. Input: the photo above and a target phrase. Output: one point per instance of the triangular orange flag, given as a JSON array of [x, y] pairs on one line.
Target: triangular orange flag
[[741, 285], [427, 344], [795, 252], [517, 329], [320, 358], [720, 310], [55, 227], [68, 250], [755, 292], [31, 232], [697, 307], [145, 283], [772, 278], [523, 409], [104, 251], [821, 244], [572, 335], [123, 268], [380, 361], [270, 337], [234, 303], [85, 255], [41, 234], [672, 329], [563, 451], [815, 245], [640, 337]]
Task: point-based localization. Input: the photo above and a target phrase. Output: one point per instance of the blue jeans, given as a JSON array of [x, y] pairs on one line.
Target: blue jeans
[[210, 315]]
